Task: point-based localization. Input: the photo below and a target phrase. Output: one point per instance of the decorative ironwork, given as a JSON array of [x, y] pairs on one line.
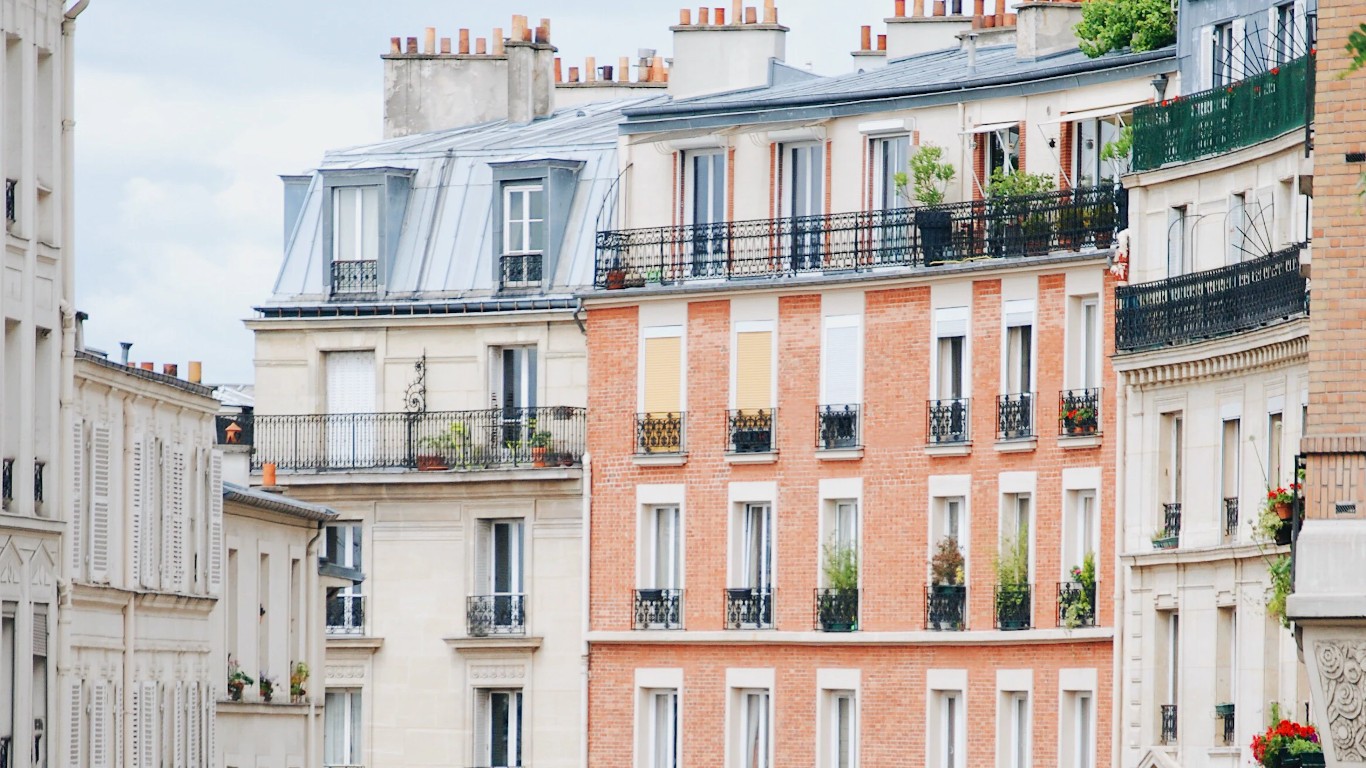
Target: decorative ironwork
[[659, 433], [749, 608], [243, 434], [1211, 304], [1014, 606], [1076, 604], [355, 277], [838, 426], [1168, 735], [11, 211], [345, 614], [6, 482], [1224, 118], [659, 609], [1226, 713], [1079, 412], [1015, 416], [1231, 518], [948, 421], [495, 437], [946, 607], [496, 615], [837, 610], [38, 467], [752, 431], [1015, 227], [520, 270], [415, 398], [1171, 519]]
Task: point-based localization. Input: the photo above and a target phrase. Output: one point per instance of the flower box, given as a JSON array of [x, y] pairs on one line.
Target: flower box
[[1166, 542]]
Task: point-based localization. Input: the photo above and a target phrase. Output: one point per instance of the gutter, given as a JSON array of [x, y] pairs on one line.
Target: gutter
[[390, 309]]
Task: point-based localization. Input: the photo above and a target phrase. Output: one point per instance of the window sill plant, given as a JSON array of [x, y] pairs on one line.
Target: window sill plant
[[1288, 745], [237, 680]]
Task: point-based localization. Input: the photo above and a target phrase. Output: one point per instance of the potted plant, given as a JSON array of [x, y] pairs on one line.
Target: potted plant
[[616, 278], [1072, 225], [838, 604], [1279, 570], [926, 183], [445, 449], [1162, 539], [540, 445], [267, 688], [298, 675], [1013, 607], [1016, 226], [1280, 499], [1079, 421], [1079, 605], [1287, 744], [237, 680], [947, 590]]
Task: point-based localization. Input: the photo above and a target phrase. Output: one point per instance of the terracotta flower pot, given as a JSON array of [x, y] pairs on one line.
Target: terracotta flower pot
[[1283, 510]]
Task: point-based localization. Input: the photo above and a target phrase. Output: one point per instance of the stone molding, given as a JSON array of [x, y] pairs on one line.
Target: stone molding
[[1161, 370]]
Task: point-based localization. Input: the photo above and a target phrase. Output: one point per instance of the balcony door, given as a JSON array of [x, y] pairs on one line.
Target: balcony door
[[350, 421], [515, 394], [355, 239], [756, 547], [345, 607], [500, 569], [666, 562], [803, 199], [706, 211], [498, 736]]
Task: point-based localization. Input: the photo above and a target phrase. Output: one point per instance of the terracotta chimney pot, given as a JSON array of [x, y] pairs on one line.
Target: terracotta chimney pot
[[685, 17], [918, 9], [558, 71], [770, 12], [573, 74], [445, 46], [464, 42], [865, 37], [268, 475], [720, 17], [751, 15], [498, 41], [703, 17], [736, 11], [481, 46], [412, 46], [590, 69], [429, 41], [624, 69], [395, 45], [882, 43], [900, 8]]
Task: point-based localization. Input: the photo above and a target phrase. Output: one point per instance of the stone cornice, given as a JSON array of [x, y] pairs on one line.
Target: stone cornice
[[1265, 348]]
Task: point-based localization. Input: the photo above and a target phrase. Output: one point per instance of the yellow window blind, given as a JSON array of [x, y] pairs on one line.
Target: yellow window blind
[[662, 374], [753, 370]]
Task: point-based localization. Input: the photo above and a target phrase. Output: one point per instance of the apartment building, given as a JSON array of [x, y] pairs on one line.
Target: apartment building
[[421, 369], [1212, 353], [853, 451]]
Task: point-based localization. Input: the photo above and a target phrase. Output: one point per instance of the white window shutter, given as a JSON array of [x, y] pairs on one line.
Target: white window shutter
[[75, 709], [99, 725], [841, 365], [118, 725], [138, 485], [148, 711], [100, 492], [178, 735], [210, 718], [192, 712], [179, 499], [216, 523], [77, 499], [135, 713]]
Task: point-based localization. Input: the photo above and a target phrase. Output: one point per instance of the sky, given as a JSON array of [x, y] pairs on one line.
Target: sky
[[188, 112]]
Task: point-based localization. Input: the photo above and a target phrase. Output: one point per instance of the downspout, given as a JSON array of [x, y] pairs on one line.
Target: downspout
[[319, 656], [586, 551], [1121, 583]]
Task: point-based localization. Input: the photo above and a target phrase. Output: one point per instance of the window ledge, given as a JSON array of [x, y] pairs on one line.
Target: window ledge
[[477, 644], [1070, 442], [949, 449], [660, 459], [1017, 445], [839, 454], [757, 457], [337, 642]]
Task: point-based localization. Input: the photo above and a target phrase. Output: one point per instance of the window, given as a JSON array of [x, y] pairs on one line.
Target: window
[[498, 729], [342, 728], [842, 525], [1089, 367], [1003, 151], [355, 223], [948, 745], [498, 584], [1169, 666], [751, 420], [1019, 359], [1089, 138], [1013, 742], [350, 392], [841, 383], [514, 388], [1080, 530], [345, 607], [1171, 467], [1225, 663], [1221, 66], [803, 195], [705, 207], [841, 730], [891, 155], [660, 429], [1236, 228], [1078, 738], [1230, 473], [754, 547], [664, 749], [1015, 408], [665, 561], [1275, 435], [951, 326], [523, 218], [1015, 521], [1284, 47], [9, 682], [948, 519], [755, 746], [1178, 262]]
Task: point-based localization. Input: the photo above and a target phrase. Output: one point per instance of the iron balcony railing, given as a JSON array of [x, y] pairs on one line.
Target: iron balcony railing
[[1171, 523], [660, 433], [242, 435], [749, 608], [948, 421], [501, 614], [1079, 412], [837, 610], [345, 614], [1224, 118], [520, 270], [1168, 734], [38, 467], [1227, 713], [1231, 518], [752, 431], [1076, 604], [353, 277], [1014, 606], [1003, 227], [11, 211], [6, 483], [1015, 416], [946, 607], [838, 426], [495, 437], [658, 609], [1211, 304]]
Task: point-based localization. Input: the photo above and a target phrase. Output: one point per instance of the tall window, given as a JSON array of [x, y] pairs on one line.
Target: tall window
[[1019, 359], [499, 570], [498, 730], [662, 390], [755, 546], [842, 524], [1236, 228], [1079, 537], [890, 157], [803, 195], [706, 209], [342, 728], [1178, 260], [355, 223], [665, 564], [9, 682], [948, 520], [754, 729], [1229, 450], [1078, 739], [350, 390], [1284, 48], [514, 387], [1003, 151], [948, 744], [1171, 468], [1275, 434], [841, 730], [523, 219], [1089, 366], [1221, 55], [663, 744], [1015, 519], [345, 607], [1089, 138], [950, 345], [1014, 742]]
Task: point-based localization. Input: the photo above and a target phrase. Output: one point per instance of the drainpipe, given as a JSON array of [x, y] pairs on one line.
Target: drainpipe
[[318, 662], [586, 549], [1121, 583]]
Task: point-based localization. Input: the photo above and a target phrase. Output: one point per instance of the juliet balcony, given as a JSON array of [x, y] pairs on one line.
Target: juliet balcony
[[1021, 227], [1211, 304]]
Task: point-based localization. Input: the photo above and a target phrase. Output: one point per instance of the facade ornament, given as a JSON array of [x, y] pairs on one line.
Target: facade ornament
[[415, 400], [1342, 676]]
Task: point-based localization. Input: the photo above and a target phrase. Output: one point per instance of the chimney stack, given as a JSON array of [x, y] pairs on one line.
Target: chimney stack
[[123, 355], [196, 372], [712, 56], [1042, 28], [530, 66]]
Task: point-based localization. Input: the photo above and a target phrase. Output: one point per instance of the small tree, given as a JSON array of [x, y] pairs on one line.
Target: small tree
[[1112, 25], [1117, 151], [929, 176], [1016, 183], [841, 566], [946, 567]]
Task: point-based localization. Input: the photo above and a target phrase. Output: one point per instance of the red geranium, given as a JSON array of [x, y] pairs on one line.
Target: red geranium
[[1266, 748]]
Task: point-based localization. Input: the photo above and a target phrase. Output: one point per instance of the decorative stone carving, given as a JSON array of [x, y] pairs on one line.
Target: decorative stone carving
[[1342, 675], [341, 672], [497, 672]]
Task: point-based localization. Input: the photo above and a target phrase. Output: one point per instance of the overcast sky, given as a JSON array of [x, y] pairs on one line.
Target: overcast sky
[[188, 111]]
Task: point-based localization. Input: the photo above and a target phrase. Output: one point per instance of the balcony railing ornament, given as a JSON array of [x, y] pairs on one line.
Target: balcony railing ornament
[[415, 399]]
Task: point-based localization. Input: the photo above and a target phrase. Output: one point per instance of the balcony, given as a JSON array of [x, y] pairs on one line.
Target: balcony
[[1231, 518], [837, 610], [838, 427], [1079, 412], [345, 614], [946, 607], [351, 278], [752, 431], [6, 483], [1076, 604], [1002, 228], [520, 270], [1211, 304], [948, 421], [427, 441], [659, 609], [503, 614], [660, 433], [1169, 535], [1015, 416], [1224, 119], [749, 608], [1168, 734], [1014, 606]]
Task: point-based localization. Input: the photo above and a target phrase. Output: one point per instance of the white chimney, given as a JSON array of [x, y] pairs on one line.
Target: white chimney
[[717, 54]]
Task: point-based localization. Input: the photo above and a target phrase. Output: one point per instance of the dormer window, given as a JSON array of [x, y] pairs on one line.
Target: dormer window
[[524, 236], [362, 216], [355, 239], [532, 203]]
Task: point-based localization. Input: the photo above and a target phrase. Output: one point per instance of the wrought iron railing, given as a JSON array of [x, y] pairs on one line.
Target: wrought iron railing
[[1014, 606], [660, 433], [6, 483], [1224, 118], [352, 277], [948, 421], [1227, 714], [1076, 604], [1231, 517], [503, 614], [752, 431], [1015, 416], [242, 435], [1168, 734], [4, 751], [837, 610], [749, 608], [345, 614], [838, 426], [1210, 304], [520, 270], [946, 607], [495, 437], [11, 210], [659, 609], [1014, 227], [38, 467], [1079, 412], [1171, 519]]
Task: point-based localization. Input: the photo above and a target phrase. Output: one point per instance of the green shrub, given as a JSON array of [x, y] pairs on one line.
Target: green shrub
[[1113, 25]]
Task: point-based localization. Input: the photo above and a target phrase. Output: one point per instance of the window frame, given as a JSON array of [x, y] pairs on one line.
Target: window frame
[[362, 241], [650, 571], [354, 725], [890, 155], [529, 223]]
